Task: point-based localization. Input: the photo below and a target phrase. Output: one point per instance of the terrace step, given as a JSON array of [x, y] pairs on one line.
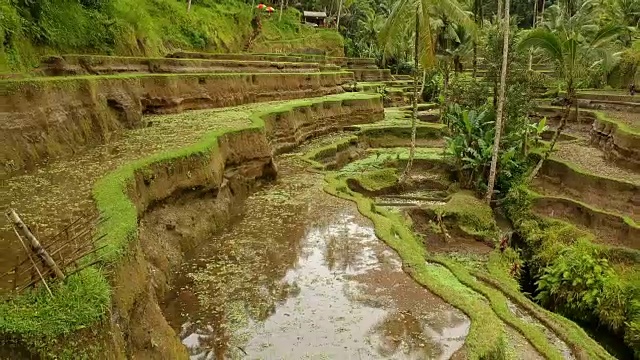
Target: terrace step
[[339, 61], [54, 116], [106, 65]]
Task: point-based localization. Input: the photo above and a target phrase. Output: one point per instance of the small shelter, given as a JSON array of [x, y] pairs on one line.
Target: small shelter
[[315, 17]]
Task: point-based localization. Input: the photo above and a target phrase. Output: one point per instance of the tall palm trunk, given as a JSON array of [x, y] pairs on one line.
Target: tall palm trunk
[[424, 80], [338, 18], [414, 114], [499, 14], [533, 25], [281, 8], [189, 6], [563, 122], [501, 101]]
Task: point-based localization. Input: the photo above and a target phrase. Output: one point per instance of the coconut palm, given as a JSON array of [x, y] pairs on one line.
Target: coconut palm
[[570, 40], [624, 12], [501, 100], [416, 15], [478, 18]]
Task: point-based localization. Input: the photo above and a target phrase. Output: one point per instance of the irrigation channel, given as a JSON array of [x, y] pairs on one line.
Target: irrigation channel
[[301, 274]]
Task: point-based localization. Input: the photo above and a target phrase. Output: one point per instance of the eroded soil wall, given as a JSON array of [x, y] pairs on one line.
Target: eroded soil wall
[[105, 65], [51, 117], [618, 142]]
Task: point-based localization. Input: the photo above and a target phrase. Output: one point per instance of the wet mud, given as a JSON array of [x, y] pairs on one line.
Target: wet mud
[[302, 275], [551, 336]]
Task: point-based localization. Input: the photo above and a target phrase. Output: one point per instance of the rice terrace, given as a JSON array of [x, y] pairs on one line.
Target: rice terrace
[[320, 179]]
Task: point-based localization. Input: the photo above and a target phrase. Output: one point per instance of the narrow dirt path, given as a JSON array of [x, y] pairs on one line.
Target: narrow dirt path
[[302, 275]]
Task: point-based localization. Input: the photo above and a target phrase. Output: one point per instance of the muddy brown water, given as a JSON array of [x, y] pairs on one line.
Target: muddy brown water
[[302, 275]]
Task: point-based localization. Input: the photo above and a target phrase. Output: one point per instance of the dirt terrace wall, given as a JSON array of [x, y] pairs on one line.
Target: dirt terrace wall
[[609, 228], [317, 119], [49, 117], [339, 61], [602, 192], [618, 141], [107, 65], [181, 201], [371, 74], [607, 97]]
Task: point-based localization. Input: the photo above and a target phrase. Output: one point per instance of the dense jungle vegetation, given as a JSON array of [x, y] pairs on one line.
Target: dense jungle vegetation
[[31, 28]]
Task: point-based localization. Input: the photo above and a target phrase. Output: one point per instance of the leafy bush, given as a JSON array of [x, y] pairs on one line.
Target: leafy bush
[[575, 281], [433, 83], [470, 145], [467, 91]]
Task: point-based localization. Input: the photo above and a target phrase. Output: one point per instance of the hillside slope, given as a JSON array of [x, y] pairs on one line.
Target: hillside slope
[[30, 29]]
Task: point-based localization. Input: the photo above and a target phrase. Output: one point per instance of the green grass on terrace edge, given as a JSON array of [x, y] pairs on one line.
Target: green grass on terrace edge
[[312, 157], [601, 116], [627, 220], [582, 171], [84, 298], [100, 58], [623, 127], [487, 332], [156, 75], [551, 235]]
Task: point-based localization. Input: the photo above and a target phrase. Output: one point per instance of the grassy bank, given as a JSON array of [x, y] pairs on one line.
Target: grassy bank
[[577, 277], [142, 28], [459, 283]]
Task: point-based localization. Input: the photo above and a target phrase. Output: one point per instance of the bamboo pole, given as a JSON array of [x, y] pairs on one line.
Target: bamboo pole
[[35, 266], [35, 244]]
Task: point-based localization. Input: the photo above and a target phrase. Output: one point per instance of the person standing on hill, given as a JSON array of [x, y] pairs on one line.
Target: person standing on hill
[[632, 89]]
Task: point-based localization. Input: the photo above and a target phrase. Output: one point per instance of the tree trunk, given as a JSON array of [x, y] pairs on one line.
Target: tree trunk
[[475, 58], [338, 18], [533, 25], [556, 135], [424, 79], [414, 113], [445, 87], [189, 6], [281, 8], [475, 43], [501, 100], [499, 14]]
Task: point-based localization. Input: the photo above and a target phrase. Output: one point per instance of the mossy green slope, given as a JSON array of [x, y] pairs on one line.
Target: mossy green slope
[[143, 28], [455, 282]]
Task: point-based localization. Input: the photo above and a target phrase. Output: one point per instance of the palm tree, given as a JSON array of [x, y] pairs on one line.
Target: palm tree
[[478, 18], [369, 27], [570, 40], [625, 12], [501, 100], [417, 15]]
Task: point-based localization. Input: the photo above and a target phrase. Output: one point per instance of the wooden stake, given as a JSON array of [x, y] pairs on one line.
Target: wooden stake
[[35, 244], [29, 255]]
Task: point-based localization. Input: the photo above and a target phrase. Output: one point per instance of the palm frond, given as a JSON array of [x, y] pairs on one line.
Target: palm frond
[[545, 40], [605, 34]]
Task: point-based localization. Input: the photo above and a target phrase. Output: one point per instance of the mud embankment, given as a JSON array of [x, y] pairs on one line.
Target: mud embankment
[[561, 179], [618, 141], [185, 200], [50, 117], [65, 65]]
